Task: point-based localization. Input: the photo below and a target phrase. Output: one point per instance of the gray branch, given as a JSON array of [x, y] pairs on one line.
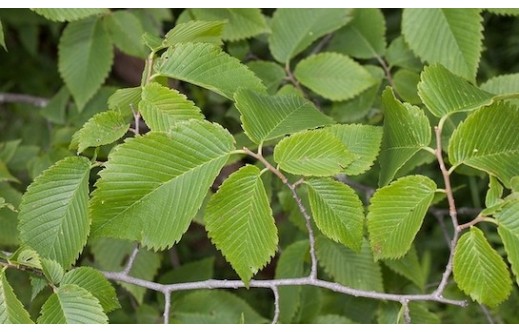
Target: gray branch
[[22, 99], [275, 319]]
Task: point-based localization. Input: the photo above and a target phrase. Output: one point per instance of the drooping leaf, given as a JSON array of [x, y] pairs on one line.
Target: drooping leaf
[[52, 270], [337, 211], [5, 174], [294, 29], [53, 212], [174, 173], [456, 42], [270, 73], [267, 117], [241, 22], [479, 271], [488, 140], [408, 266], [94, 282], [406, 131], [71, 304], [161, 107], [363, 37], [399, 55], [102, 129], [85, 58], [362, 140], [494, 193], [396, 214], [125, 31], [239, 221], [405, 82], [195, 32], [461, 96], [37, 285], [11, 309], [503, 85], [347, 267], [508, 220], [333, 76], [68, 14], [207, 66], [125, 100], [312, 153], [55, 111]]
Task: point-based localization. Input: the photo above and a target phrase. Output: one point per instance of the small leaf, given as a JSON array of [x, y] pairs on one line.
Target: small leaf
[[508, 220], [479, 270], [85, 58], [267, 117], [494, 193], [239, 222], [207, 66], [405, 82], [125, 100], [409, 266], [333, 76], [11, 309], [312, 153], [503, 85], [396, 214], [125, 31], [294, 29], [71, 304], [5, 175], [53, 212], [195, 32], [337, 211], [161, 107], [487, 140], [270, 73], [26, 257], [69, 14], [52, 270], [398, 54], [102, 129], [55, 111], [2, 38]]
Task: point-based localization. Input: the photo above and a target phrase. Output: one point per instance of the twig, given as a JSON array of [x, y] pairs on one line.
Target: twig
[[474, 221], [23, 99], [131, 260], [405, 308], [487, 314], [290, 77], [387, 70], [275, 319], [167, 306], [322, 44]]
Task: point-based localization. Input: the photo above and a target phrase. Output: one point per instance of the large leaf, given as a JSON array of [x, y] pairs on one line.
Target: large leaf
[[364, 37], [337, 211], [103, 128], [241, 22], [396, 214], [68, 14], [406, 131], [479, 270], [456, 42], [460, 96], [161, 107], [195, 31], [239, 221], [347, 267], [333, 76], [267, 117], [54, 211], [488, 140], [362, 140], [502, 85], [294, 29], [71, 304], [207, 66], [125, 31], [85, 58], [153, 185], [508, 220], [312, 153], [11, 309]]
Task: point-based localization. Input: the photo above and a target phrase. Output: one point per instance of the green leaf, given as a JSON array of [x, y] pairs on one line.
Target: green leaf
[[173, 171], [55, 111], [5, 175], [267, 117], [94, 282], [102, 129], [239, 222], [8, 218], [406, 131], [456, 42], [362, 140], [207, 66], [398, 54], [396, 214], [514, 183], [461, 96], [53, 212], [2, 38], [409, 266], [504, 11], [479, 271], [242, 23], [162, 108], [270, 73], [333, 76], [212, 307], [487, 140], [357, 108], [145, 267], [337, 211], [52, 270], [312, 153], [332, 319], [508, 220], [503, 85], [26, 257], [294, 29], [11, 309], [8, 150], [37, 285], [364, 37], [85, 58], [69, 14], [125, 100], [405, 82], [125, 31], [356, 270], [71, 304], [195, 32], [494, 193], [192, 271]]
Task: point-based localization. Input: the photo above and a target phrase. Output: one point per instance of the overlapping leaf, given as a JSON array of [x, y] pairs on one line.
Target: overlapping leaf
[[267, 117], [398, 54], [488, 140], [503, 85], [409, 266], [207, 66], [53, 212], [479, 270], [241, 22], [270, 73], [125, 100], [396, 214], [508, 220], [125, 31], [11, 309], [52, 270], [195, 31], [240, 223], [103, 128], [406, 131], [68, 14], [153, 185]]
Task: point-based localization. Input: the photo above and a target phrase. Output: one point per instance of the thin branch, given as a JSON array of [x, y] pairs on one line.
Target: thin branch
[[131, 260], [137, 120], [23, 99], [387, 70], [322, 44], [440, 217], [266, 164], [474, 221], [487, 314], [167, 306], [290, 77], [405, 308], [276, 305]]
